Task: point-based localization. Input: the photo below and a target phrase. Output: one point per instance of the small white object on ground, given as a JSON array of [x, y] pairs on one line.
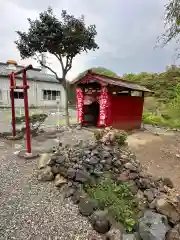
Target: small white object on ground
[[16, 153], [17, 146], [28, 154], [2, 144]]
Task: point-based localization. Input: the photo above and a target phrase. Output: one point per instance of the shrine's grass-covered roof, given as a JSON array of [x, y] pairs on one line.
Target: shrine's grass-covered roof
[[105, 80]]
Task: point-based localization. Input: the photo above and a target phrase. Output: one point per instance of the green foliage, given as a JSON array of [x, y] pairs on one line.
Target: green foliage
[[33, 118], [162, 84], [62, 38], [150, 118], [121, 137], [117, 198], [168, 115], [167, 121], [171, 21], [98, 133], [174, 105]]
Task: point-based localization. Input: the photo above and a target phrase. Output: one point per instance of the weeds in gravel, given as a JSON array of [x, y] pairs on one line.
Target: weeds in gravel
[[98, 133], [110, 135], [117, 198], [121, 137]]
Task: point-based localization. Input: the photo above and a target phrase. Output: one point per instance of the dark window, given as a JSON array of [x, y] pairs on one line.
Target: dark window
[[18, 95], [51, 94]]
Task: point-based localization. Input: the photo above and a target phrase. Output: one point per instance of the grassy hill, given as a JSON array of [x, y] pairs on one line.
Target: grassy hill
[[163, 84], [163, 107]]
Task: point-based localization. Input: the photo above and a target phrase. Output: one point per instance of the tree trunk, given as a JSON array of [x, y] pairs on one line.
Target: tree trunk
[[66, 110]]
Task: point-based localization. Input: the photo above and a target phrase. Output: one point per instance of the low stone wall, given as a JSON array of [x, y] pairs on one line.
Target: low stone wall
[[70, 167]]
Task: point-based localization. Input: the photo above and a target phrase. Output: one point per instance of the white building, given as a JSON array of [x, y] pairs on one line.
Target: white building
[[44, 89]]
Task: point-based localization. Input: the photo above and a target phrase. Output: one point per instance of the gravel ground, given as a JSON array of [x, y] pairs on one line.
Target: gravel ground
[[33, 210]]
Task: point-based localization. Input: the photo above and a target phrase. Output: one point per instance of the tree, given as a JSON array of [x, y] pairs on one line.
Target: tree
[[174, 105], [172, 22], [63, 38]]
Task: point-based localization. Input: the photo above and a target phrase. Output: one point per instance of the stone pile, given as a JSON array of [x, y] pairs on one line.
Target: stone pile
[[70, 167]]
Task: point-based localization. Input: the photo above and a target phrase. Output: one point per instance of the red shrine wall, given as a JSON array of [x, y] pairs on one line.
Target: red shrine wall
[[125, 112]]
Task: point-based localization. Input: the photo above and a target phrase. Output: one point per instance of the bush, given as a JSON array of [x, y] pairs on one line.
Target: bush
[[167, 115], [98, 133], [150, 118], [121, 137], [110, 136], [38, 117], [165, 120], [117, 199], [33, 118]]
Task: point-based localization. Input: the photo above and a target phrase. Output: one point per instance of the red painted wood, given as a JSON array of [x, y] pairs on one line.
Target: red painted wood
[[125, 112], [26, 110], [25, 87], [12, 85]]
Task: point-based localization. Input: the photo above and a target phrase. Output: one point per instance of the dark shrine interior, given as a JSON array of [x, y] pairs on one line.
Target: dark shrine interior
[[91, 114], [91, 111]]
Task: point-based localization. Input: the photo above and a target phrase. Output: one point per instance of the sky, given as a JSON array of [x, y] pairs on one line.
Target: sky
[[127, 33]]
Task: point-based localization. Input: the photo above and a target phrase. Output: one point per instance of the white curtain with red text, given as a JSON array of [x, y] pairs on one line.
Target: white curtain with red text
[[103, 105], [79, 102]]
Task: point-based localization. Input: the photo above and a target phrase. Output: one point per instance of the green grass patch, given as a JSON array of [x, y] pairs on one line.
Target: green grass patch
[[166, 114], [150, 118], [117, 198], [159, 120]]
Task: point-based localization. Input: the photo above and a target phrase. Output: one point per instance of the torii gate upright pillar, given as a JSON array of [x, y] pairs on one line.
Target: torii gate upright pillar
[[25, 88]]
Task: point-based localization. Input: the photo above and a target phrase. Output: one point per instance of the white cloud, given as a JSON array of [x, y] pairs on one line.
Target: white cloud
[[127, 32]]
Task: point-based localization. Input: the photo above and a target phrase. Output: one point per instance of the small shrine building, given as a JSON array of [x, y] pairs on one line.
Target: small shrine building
[[107, 101]]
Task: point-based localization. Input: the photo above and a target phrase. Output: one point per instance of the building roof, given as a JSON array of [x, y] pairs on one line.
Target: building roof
[[94, 77], [35, 74]]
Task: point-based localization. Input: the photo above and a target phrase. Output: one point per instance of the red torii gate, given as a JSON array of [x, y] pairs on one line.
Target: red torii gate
[[25, 88]]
